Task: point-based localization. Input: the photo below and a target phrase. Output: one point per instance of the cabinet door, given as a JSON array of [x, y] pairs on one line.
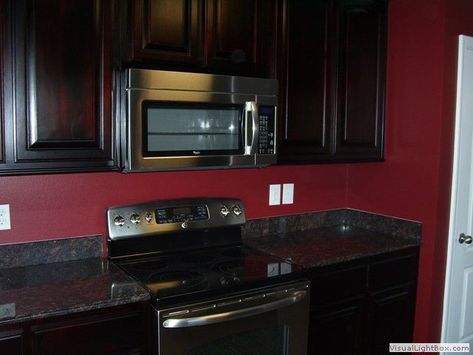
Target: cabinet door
[[63, 78], [392, 318], [336, 330], [167, 31], [11, 342], [305, 123], [115, 334], [361, 78], [3, 9], [241, 37]]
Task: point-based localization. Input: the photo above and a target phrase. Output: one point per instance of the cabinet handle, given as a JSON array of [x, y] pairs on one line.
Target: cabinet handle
[[467, 239]]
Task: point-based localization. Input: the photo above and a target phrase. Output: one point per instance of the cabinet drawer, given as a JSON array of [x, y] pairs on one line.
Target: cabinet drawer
[[393, 272], [337, 285]]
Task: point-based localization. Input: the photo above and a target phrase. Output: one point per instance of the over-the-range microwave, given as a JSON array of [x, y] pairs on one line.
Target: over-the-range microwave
[[178, 121]]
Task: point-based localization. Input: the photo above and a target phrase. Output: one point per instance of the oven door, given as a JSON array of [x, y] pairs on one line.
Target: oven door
[[267, 322], [172, 130]]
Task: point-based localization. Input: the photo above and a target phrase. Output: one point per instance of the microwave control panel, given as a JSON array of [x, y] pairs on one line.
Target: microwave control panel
[[267, 125]]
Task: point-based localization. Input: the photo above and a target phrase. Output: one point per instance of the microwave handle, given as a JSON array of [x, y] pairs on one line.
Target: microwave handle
[[251, 127], [293, 298]]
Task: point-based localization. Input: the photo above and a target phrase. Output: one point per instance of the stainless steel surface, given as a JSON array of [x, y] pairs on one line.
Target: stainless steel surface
[[467, 239], [283, 309], [164, 86], [291, 299], [251, 134], [169, 80], [121, 225]]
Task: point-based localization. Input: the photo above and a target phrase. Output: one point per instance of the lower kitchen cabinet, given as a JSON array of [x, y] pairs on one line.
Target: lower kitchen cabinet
[[11, 342], [118, 330], [360, 307]]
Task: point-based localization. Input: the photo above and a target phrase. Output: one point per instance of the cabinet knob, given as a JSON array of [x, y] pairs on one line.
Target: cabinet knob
[[467, 239]]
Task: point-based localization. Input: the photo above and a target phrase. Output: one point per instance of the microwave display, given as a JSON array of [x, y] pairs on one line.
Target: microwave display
[[191, 129]]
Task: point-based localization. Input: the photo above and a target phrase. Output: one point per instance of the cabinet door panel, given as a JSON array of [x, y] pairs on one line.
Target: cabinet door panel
[[337, 330], [305, 123], [3, 9], [361, 78], [63, 73], [241, 36], [167, 30], [11, 342], [118, 335], [392, 318]]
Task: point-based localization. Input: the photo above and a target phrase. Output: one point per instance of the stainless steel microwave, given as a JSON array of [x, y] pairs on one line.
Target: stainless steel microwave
[[179, 121]]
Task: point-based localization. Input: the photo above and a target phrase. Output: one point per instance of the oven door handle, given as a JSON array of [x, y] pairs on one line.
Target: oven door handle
[[295, 297]]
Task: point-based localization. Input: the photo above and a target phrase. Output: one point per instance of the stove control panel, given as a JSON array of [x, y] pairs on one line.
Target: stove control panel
[[170, 216]]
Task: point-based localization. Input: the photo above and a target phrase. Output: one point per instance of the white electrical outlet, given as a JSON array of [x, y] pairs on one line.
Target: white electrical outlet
[[274, 194], [287, 194], [5, 217]]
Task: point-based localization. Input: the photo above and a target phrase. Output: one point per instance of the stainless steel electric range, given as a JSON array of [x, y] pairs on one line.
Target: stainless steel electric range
[[211, 294]]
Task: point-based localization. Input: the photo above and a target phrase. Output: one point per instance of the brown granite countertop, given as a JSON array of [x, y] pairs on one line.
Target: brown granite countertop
[[53, 289], [329, 245]]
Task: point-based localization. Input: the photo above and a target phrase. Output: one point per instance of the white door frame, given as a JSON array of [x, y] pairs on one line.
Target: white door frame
[[460, 209]]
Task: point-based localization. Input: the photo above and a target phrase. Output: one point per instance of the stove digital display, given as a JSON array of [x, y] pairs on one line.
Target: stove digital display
[[181, 214]]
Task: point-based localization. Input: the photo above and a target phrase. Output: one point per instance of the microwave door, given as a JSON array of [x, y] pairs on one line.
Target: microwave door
[[172, 130]]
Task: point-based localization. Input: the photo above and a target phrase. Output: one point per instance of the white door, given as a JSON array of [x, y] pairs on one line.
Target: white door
[[457, 324]]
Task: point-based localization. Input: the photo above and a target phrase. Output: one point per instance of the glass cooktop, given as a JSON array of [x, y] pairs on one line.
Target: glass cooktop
[[192, 274]]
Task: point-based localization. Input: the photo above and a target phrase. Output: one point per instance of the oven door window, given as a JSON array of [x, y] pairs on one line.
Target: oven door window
[[262, 341], [191, 129]]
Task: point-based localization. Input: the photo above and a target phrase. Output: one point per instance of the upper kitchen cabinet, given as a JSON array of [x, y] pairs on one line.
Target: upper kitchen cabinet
[[167, 31], [2, 76], [241, 37], [59, 62], [360, 86], [332, 81], [235, 37]]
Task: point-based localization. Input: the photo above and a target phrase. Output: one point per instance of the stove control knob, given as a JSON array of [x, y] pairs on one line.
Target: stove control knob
[[135, 218], [119, 221], [237, 210], [184, 225], [224, 211], [148, 217]]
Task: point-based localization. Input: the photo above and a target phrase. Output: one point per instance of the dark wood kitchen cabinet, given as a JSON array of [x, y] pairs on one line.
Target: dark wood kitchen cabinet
[[2, 76], [115, 331], [59, 80], [360, 307], [332, 81], [235, 37], [11, 342]]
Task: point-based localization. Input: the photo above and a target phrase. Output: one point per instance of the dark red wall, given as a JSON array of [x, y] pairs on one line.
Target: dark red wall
[[414, 182], [61, 206]]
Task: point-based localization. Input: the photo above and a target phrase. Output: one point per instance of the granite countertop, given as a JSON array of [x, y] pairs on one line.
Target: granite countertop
[[329, 245], [39, 291]]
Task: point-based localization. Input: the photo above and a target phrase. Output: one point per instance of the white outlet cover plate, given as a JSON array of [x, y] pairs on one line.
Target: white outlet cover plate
[[274, 194], [287, 194], [5, 217]]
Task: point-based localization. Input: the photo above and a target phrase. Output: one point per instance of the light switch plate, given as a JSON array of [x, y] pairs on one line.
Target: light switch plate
[[5, 217], [287, 194], [274, 194]]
